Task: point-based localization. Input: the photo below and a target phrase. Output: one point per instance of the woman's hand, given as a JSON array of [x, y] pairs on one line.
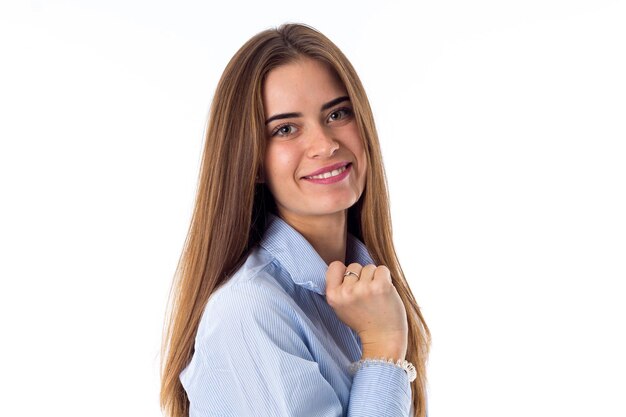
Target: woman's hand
[[371, 306]]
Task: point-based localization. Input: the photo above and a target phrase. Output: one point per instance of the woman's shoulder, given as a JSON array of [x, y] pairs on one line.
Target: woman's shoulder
[[253, 297], [259, 283], [259, 272]]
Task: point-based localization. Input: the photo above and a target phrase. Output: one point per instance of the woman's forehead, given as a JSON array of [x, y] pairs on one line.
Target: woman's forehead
[[302, 83]]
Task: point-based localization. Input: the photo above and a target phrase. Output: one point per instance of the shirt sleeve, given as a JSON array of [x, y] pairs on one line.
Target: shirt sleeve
[[251, 359], [380, 389]]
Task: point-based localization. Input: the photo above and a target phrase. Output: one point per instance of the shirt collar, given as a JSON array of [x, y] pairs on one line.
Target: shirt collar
[[300, 259]]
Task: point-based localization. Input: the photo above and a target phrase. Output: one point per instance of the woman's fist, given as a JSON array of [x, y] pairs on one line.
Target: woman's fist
[[364, 298]]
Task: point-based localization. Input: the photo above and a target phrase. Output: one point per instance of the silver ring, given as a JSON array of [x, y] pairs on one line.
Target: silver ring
[[351, 273]]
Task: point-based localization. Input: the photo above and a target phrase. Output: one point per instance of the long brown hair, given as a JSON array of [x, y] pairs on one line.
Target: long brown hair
[[230, 207]]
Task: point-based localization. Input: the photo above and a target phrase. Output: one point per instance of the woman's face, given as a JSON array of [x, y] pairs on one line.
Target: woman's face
[[315, 161]]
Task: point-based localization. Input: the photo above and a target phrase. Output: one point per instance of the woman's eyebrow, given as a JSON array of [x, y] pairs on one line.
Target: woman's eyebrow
[[283, 116], [334, 102], [324, 107]]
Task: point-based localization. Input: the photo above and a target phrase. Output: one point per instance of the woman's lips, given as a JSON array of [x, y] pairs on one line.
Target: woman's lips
[[328, 168], [331, 177]]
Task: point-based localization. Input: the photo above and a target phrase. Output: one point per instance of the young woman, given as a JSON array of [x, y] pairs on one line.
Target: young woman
[[289, 299]]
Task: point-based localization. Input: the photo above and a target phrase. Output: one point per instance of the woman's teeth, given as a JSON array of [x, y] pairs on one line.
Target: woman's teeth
[[333, 173]]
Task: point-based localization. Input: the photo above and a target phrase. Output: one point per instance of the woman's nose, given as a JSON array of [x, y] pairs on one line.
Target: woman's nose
[[322, 144]]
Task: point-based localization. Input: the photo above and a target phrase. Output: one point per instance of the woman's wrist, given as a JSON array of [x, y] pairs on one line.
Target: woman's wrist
[[395, 355], [379, 350]]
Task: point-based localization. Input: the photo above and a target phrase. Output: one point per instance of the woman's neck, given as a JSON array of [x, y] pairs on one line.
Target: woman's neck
[[327, 234]]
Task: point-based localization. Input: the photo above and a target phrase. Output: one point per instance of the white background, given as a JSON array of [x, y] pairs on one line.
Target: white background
[[503, 130]]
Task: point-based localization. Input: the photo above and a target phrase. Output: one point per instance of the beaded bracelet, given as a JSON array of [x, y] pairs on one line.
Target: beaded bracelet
[[402, 363]]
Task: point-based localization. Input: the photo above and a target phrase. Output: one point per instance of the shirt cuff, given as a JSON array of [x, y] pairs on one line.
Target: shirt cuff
[[380, 389]]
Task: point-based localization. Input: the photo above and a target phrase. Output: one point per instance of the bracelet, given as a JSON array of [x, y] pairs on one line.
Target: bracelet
[[402, 363]]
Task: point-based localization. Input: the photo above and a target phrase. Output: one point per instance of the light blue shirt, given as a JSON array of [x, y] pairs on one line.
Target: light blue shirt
[[269, 344]]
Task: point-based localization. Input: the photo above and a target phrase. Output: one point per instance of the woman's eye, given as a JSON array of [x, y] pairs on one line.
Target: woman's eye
[[340, 114], [284, 130]]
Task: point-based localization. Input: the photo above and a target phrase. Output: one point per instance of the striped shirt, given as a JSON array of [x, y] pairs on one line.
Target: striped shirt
[[269, 344]]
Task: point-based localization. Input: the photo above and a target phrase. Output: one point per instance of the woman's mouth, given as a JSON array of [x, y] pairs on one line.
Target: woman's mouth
[[330, 177], [332, 173]]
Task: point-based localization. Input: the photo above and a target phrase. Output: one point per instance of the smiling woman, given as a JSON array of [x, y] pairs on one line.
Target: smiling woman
[[289, 299], [315, 161]]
